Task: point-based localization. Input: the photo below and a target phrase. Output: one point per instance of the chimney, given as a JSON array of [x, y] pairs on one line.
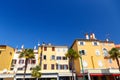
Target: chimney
[[93, 35], [49, 44], [87, 36]]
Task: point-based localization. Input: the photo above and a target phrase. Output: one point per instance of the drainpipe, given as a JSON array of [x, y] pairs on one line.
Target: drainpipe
[[82, 68]]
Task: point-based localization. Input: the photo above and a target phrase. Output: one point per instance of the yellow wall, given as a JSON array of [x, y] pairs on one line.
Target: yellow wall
[[48, 54], [6, 56], [49, 61], [91, 58]]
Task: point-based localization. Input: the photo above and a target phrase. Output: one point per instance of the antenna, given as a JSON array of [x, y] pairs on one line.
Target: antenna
[[107, 37], [34, 47], [22, 46], [38, 44]]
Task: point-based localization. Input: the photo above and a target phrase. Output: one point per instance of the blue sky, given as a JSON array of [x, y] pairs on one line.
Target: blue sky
[[58, 22]]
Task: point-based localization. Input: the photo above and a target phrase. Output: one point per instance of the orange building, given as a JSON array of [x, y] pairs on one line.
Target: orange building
[[94, 61]]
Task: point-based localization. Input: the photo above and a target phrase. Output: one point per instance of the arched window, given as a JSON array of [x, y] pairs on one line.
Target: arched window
[[105, 52]]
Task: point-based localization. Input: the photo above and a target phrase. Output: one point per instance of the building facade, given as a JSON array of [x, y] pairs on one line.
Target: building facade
[[6, 55], [54, 64], [94, 63]]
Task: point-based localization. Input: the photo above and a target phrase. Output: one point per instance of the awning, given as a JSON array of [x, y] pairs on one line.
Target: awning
[[98, 74], [115, 74]]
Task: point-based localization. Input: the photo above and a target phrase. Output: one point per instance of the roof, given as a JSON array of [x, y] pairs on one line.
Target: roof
[[101, 41], [117, 46]]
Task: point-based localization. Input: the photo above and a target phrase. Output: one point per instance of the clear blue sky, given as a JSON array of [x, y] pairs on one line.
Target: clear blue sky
[[58, 22]]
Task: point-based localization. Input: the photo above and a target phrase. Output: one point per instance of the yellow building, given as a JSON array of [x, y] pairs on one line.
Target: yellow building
[[6, 55], [94, 59], [54, 64]]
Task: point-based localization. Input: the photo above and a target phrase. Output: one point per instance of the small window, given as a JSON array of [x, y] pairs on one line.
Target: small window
[[97, 52], [31, 68], [44, 57], [85, 64], [21, 61], [58, 58], [14, 61], [33, 61], [110, 60], [52, 66], [65, 67], [95, 43], [58, 50], [81, 43], [100, 63], [105, 52], [29, 61], [10, 53], [53, 48], [64, 50], [45, 66], [53, 57], [45, 48], [82, 52], [64, 58], [20, 68], [56, 66], [11, 68], [61, 66], [0, 52]]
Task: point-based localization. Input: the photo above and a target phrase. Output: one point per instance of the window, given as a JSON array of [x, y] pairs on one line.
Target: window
[[52, 66], [20, 68], [14, 61], [33, 61], [0, 52], [53, 48], [64, 50], [45, 48], [21, 61], [95, 43], [44, 57], [45, 66], [53, 57], [82, 52], [97, 52], [110, 60], [85, 64], [64, 58], [58, 50], [100, 63], [58, 66], [81, 43], [58, 58], [28, 61], [61, 66], [105, 52], [65, 67], [31, 68]]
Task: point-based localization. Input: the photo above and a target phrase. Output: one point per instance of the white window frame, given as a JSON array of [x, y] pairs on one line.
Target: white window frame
[[93, 43], [97, 52], [81, 44], [82, 53]]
